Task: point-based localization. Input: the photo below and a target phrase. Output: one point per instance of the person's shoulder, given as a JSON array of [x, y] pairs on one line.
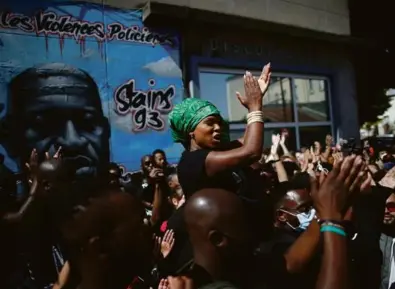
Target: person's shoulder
[[188, 156]]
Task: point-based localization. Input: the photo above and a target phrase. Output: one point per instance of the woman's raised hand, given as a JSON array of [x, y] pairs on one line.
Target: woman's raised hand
[[264, 79], [255, 89]]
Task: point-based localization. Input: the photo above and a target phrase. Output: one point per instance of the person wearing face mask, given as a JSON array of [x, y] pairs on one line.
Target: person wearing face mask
[[387, 243], [293, 214]]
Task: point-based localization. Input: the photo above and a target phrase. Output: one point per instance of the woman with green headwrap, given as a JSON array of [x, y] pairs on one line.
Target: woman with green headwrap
[[209, 161]]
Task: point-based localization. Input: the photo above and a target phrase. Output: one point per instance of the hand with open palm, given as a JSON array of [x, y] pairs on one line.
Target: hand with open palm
[[167, 243]]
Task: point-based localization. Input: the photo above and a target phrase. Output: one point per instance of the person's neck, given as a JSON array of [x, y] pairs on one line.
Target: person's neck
[[194, 147], [213, 266]]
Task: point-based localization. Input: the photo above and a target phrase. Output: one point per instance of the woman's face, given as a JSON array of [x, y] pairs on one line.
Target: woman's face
[[208, 132]]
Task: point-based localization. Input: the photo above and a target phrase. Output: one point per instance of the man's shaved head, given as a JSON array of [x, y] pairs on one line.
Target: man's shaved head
[[215, 209], [217, 224]]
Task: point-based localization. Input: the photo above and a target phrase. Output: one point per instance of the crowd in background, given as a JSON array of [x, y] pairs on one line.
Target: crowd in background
[[230, 214]]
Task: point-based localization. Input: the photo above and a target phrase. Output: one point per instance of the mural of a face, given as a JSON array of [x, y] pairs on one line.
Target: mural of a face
[[56, 105]]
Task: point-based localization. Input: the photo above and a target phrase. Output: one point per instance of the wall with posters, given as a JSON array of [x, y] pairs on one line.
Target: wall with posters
[[88, 77]]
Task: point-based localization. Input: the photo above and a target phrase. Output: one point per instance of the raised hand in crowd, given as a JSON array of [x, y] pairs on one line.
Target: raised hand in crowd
[[337, 156], [163, 246], [280, 170], [264, 78], [252, 99], [164, 284], [38, 180], [156, 174], [313, 155], [331, 200], [167, 243], [180, 282], [34, 169], [283, 138], [328, 148], [317, 148], [274, 148]]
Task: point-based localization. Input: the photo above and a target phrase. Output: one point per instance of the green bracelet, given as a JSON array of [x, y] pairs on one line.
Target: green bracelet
[[333, 229]]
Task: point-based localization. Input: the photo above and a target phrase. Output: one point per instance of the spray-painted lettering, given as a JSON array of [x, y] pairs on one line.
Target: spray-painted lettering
[[16, 21], [50, 23], [146, 108], [136, 34]]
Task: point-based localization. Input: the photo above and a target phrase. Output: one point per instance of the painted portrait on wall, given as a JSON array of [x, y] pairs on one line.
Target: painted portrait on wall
[[89, 78]]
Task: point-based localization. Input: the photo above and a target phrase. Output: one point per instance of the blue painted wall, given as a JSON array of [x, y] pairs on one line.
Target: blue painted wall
[[125, 59]]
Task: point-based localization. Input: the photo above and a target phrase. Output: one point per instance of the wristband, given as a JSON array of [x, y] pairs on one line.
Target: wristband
[[332, 229], [254, 116], [327, 223], [322, 221]]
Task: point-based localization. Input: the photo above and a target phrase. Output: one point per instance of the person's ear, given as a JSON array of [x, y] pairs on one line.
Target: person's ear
[[217, 239]]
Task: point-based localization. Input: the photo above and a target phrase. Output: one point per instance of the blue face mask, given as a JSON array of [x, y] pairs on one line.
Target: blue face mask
[[303, 218]]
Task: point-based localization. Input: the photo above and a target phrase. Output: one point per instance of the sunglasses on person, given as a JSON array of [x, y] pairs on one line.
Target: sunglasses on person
[[390, 207]]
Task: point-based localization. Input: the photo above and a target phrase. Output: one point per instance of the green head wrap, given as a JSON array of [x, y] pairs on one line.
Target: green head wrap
[[186, 115]]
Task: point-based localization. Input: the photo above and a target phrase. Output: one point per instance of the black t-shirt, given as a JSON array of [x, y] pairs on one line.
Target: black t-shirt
[[193, 177], [368, 214], [146, 192], [181, 253], [245, 182], [279, 277]]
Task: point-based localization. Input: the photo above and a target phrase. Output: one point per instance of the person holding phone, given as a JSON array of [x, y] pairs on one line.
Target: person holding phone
[[151, 188]]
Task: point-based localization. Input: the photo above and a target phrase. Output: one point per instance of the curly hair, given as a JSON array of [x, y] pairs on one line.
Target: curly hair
[[117, 220]]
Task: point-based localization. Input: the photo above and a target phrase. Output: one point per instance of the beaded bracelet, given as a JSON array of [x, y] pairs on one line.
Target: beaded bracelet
[[255, 116], [330, 223], [322, 221]]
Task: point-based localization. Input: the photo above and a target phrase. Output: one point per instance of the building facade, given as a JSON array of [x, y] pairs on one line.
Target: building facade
[[146, 56], [310, 47]]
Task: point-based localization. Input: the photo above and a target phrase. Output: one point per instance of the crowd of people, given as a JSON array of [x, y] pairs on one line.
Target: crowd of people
[[230, 214]]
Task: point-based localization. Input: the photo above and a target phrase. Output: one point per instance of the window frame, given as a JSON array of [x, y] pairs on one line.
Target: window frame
[[295, 124]]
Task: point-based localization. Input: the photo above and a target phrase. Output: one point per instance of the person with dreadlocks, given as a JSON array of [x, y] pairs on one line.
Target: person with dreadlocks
[[208, 160]]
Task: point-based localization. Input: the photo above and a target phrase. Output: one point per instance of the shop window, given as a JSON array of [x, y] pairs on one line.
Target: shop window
[[298, 103], [311, 86], [220, 88], [312, 104]]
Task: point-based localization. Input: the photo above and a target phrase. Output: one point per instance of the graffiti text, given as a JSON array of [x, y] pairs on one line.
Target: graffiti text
[[50, 23], [146, 107], [136, 34], [64, 25]]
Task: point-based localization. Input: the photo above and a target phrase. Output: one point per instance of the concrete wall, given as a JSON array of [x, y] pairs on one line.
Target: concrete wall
[[329, 16]]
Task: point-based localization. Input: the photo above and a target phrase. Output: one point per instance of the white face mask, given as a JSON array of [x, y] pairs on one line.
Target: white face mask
[[303, 218]]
